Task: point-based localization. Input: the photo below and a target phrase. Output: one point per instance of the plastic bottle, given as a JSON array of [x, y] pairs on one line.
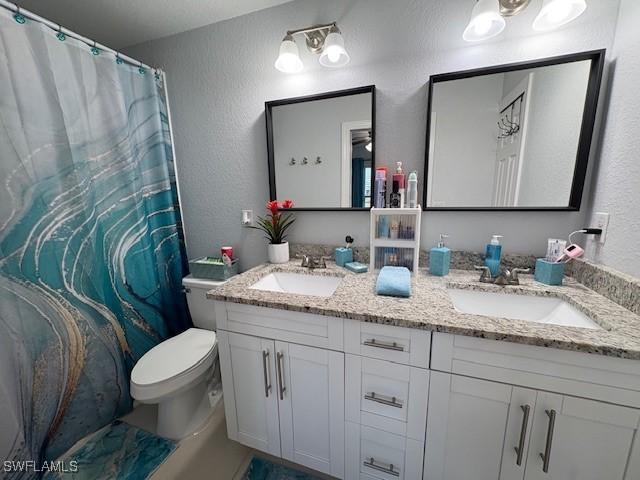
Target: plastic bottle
[[440, 258], [493, 255], [397, 187], [412, 190], [381, 188]]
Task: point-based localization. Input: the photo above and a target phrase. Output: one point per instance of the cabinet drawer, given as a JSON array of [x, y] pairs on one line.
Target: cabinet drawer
[[397, 344], [599, 377], [374, 454], [386, 395], [295, 327]]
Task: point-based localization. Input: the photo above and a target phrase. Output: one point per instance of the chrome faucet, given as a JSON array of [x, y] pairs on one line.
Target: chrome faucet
[[505, 277], [312, 262]]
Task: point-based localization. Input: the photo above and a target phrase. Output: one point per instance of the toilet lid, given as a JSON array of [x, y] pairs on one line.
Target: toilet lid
[[174, 356]]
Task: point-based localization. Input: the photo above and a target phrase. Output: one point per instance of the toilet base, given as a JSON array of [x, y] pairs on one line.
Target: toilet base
[[182, 414]]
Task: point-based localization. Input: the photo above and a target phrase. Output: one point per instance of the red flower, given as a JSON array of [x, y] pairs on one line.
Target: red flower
[[272, 206], [287, 204]]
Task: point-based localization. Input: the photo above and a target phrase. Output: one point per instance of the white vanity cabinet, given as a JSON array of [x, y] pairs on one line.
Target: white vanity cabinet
[[283, 398], [487, 428]]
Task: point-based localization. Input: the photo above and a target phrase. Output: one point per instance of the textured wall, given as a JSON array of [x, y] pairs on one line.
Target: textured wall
[[617, 187], [219, 77]]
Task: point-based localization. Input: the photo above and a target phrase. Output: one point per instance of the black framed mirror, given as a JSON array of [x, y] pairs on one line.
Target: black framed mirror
[[321, 149], [512, 137]]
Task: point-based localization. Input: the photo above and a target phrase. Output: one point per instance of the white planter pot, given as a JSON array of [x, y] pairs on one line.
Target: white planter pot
[[278, 253]]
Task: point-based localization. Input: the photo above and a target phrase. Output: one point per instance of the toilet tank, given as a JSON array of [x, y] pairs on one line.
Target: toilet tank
[[200, 307]]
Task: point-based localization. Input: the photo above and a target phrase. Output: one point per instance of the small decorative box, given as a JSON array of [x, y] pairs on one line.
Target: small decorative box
[[213, 268], [343, 255], [549, 273]]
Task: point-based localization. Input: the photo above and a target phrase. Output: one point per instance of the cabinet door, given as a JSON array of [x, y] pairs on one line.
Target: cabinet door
[[474, 427], [310, 390], [583, 439], [250, 397]]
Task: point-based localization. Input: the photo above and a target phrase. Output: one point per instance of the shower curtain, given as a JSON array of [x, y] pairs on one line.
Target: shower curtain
[[91, 249]]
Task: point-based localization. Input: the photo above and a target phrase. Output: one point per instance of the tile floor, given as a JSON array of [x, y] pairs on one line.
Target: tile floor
[[207, 455]]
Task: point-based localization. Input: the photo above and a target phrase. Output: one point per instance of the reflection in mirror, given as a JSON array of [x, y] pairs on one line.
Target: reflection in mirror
[[321, 152], [516, 138]]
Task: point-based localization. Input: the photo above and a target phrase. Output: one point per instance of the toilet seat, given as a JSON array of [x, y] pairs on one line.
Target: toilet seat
[[173, 365]]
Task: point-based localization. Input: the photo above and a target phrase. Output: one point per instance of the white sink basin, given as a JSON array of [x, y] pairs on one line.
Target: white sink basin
[[520, 307], [302, 284]]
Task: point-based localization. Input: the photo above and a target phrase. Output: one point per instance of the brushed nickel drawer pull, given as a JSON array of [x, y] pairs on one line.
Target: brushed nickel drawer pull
[[279, 361], [384, 400], [387, 345], [381, 468], [523, 433], [546, 456], [267, 383]]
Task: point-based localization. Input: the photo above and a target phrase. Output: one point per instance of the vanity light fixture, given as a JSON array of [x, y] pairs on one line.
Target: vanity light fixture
[[488, 16], [323, 40]]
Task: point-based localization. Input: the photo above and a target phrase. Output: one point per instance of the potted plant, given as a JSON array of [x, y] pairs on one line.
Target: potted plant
[[275, 226]]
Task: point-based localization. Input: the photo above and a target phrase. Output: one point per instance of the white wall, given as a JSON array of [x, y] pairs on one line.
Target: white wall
[[464, 152], [313, 129], [219, 77], [617, 185]]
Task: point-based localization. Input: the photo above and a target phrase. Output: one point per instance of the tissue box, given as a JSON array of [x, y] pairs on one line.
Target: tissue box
[[549, 273], [343, 255]]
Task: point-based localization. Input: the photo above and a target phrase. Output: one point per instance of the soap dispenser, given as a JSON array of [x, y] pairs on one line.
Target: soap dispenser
[[493, 255], [440, 258]]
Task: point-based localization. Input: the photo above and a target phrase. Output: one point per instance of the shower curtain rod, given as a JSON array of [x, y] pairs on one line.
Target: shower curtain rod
[[59, 28]]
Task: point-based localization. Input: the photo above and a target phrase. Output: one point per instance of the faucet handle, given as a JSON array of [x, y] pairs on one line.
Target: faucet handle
[[485, 276], [515, 272]]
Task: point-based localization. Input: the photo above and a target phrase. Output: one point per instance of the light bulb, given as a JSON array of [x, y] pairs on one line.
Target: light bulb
[[485, 22], [334, 54], [555, 13], [289, 60]]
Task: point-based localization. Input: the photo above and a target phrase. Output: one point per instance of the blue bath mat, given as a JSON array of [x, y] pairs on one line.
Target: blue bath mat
[[118, 451], [261, 469]]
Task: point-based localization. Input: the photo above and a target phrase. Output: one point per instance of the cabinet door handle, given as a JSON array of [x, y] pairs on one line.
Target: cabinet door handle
[[386, 345], [371, 463], [279, 361], [546, 456], [265, 369], [384, 400], [523, 433]]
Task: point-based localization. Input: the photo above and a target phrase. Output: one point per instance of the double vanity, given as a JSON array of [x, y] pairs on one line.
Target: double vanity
[[461, 381]]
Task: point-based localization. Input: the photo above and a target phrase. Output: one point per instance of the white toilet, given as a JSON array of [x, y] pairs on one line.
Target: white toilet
[[176, 373]]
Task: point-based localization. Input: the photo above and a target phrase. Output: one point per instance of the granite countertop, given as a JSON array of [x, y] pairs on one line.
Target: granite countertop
[[430, 308]]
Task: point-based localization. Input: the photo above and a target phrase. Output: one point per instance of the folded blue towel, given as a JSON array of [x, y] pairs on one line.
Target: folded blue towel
[[394, 282]]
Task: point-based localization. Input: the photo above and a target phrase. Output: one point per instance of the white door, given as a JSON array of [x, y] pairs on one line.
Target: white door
[[584, 440], [250, 397], [474, 427], [510, 149], [310, 391]]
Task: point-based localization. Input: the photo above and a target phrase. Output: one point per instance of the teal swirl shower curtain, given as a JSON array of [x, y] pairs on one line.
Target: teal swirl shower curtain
[[91, 249]]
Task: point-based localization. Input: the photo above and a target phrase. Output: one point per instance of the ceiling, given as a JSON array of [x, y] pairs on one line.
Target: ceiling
[[122, 23]]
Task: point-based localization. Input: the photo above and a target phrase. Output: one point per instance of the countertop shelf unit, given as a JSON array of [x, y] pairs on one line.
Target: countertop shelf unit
[[395, 238]]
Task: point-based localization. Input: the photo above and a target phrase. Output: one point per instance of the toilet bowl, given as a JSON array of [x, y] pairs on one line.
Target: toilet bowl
[[176, 373]]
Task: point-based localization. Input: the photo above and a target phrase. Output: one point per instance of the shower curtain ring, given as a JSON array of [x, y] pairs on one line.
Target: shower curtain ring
[[95, 50], [119, 61], [61, 36], [140, 69], [18, 17]]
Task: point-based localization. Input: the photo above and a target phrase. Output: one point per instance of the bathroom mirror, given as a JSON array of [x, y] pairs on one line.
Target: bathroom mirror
[[512, 137], [321, 149]]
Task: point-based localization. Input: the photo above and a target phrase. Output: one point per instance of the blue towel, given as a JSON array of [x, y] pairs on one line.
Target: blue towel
[[394, 282]]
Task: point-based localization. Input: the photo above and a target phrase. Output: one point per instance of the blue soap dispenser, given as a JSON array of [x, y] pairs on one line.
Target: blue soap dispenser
[[440, 258], [493, 255]]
